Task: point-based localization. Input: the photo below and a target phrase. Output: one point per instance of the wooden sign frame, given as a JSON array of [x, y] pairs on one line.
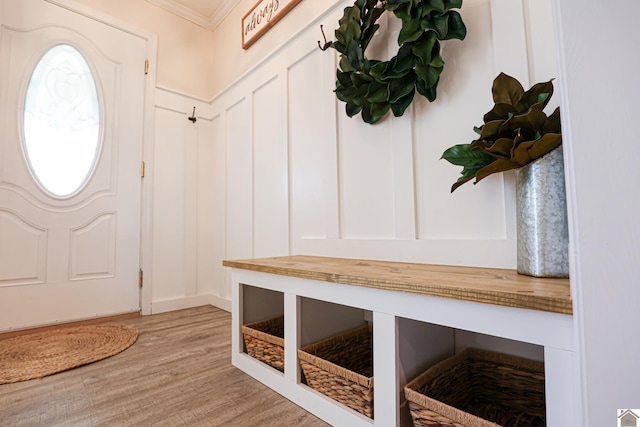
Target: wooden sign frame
[[262, 17]]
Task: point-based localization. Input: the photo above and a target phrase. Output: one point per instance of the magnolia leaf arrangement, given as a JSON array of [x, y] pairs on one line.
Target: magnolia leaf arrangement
[[372, 87], [515, 132]]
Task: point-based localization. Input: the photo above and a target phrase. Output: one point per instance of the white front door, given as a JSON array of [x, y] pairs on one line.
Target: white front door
[[69, 250]]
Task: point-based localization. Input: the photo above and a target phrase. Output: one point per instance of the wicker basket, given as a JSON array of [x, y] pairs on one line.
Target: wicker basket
[[264, 341], [478, 388], [341, 367]]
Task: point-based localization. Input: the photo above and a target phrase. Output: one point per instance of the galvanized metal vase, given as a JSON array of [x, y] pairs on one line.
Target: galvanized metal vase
[[542, 228]]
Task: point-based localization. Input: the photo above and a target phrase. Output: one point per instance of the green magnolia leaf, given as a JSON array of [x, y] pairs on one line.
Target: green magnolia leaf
[[378, 110], [345, 65], [500, 111], [398, 108], [368, 35], [424, 47], [353, 109], [360, 79], [377, 70], [368, 64], [410, 31], [429, 74], [339, 47], [349, 28], [390, 72], [344, 79], [378, 92], [490, 130], [528, 123], [405, 59], [347, 94], [457, 29], [517, 141], [464, 155], [427, 92], [500, 148], [355, 55], [402, 12], [552, 124], [468, 172], [520, 155], [438, 5], [369, 26], [544, 145], [536, 97], [437, 62], [353, 94], [501, 164], [452, 4], [506, 90], [438, 23], [399, 88], [371, 16], [393, 4]]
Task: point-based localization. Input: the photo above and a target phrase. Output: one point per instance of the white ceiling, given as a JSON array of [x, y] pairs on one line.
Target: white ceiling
[[206, 13]]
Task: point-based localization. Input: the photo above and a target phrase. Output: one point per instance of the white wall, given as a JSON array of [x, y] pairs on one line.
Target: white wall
[[600, 106], [185, 55]]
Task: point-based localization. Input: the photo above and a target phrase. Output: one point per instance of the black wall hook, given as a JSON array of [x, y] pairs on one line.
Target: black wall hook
[[326, 44], [193, 116]]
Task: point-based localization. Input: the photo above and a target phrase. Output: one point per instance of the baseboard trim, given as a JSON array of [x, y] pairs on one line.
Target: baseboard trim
[[164, 306], [221, 303]]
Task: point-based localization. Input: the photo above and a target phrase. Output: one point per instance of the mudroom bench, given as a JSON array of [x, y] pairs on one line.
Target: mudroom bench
[[421, 314]]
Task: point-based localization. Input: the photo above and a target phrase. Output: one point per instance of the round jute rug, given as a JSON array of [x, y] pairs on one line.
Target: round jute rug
[[37, 355]]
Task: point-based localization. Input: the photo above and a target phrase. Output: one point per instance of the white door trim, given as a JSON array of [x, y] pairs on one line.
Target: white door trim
[[146, 220]]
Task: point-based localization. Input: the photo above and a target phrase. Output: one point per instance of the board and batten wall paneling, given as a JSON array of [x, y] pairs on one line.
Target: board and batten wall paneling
[[215, 186], [312, 144], [169, 206], [270, 170], [239, 180], [476, 213], [205, 213], [349, 189]]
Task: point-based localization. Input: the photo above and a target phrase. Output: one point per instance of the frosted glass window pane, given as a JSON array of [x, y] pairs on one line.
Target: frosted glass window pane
[[62, 121]]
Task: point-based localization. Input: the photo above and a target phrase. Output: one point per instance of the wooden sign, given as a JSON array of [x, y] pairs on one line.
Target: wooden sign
[[262, 17]]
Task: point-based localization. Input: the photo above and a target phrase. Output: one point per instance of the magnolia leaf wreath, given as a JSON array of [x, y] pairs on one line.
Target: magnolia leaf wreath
[[372, 87]]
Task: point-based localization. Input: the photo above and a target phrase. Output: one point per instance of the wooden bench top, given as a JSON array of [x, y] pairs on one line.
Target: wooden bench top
[[485, 285]]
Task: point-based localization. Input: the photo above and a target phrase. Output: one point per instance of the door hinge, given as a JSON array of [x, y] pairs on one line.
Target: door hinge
[[142, 166], [140, 278], [146, 66]]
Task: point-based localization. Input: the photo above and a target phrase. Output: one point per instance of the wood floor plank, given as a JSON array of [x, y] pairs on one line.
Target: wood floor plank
[[178, 373]]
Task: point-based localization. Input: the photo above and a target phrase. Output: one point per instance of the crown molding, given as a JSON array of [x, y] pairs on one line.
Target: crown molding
[[209, 22]]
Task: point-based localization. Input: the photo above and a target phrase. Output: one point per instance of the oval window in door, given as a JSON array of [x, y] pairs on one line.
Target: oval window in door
[[62, 121]]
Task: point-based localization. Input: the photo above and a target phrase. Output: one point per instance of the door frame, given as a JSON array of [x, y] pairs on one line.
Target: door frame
[[146, 212]]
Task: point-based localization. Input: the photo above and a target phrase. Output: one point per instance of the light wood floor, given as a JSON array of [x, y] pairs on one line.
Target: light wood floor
[[178, 373]]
